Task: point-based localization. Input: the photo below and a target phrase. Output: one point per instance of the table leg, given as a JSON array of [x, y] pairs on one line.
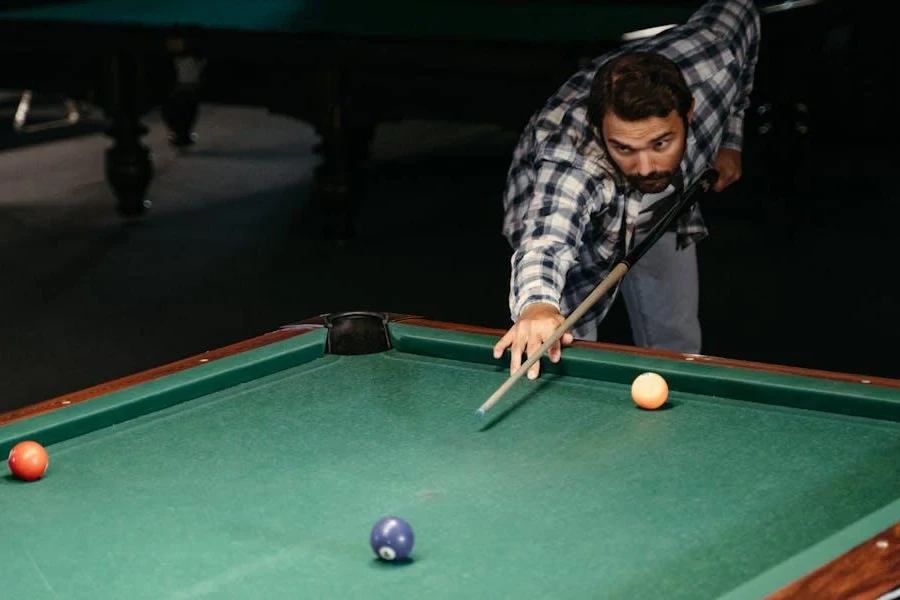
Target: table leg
[[129, 168]]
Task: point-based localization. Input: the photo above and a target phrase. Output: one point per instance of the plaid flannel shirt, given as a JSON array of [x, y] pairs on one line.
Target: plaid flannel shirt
[[569, 216]]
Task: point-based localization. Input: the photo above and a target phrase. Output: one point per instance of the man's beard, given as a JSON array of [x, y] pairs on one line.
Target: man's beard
[[653, 183]]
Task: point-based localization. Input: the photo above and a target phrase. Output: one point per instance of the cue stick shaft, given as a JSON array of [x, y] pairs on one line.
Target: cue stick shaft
[[614, 276], [704, 182]]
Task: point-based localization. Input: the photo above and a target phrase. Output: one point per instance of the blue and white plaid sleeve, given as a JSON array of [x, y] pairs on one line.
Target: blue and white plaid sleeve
[[555, 212], [738, 20]]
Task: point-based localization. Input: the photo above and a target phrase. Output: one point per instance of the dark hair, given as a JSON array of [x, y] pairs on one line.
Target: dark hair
[[638, 85]]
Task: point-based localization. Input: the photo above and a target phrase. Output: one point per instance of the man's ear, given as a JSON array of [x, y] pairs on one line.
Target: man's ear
[[690, 112]]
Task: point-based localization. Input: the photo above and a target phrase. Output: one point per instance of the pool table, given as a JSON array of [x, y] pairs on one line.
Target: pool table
[[257, 470], [344, 66]]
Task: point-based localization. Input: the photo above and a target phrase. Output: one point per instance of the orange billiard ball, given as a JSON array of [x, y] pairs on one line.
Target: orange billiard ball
[[28, 460], [649, 390]]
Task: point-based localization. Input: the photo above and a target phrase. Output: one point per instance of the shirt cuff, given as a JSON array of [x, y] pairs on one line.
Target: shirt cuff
[[734, 133], [534, 297]]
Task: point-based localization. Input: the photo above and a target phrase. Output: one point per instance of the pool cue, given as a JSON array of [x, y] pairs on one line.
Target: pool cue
[[704, 182]]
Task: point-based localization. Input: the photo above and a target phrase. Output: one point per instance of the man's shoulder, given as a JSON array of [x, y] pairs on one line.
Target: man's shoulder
[[572, 148], [560, 132], [566, 107]]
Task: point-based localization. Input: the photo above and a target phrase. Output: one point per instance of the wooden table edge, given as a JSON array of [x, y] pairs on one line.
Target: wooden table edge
[[128, 381], [865, 572]]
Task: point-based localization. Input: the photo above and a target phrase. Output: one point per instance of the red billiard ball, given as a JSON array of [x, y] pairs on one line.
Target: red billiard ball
[[28, 460]]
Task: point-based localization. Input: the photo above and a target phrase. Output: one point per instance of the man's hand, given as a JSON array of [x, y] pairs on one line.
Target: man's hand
[[536, 323], [728, 164]]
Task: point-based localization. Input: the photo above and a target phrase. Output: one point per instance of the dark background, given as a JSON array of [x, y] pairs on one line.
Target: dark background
[[799, 268]]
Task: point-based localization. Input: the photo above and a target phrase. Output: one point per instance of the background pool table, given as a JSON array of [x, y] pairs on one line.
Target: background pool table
[[258, 469], [344, 67]]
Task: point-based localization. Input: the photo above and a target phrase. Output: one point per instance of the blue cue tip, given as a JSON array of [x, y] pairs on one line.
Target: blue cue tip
[[479, 413]]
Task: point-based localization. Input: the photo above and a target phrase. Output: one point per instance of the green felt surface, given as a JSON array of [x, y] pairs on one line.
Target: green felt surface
[[260, 476], [500, 21]]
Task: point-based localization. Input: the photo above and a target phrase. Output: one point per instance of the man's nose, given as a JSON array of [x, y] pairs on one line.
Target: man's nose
[[645, 165]]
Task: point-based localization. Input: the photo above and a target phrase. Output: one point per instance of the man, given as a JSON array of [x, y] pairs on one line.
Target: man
[[597, 166]]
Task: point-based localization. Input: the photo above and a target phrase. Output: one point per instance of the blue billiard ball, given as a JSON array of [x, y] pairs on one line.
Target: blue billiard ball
[[392, 538]]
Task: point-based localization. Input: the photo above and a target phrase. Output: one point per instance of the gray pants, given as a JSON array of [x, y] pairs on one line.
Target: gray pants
[[661, 294]]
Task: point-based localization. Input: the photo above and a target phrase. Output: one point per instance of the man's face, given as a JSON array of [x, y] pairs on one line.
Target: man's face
[[648, 151]]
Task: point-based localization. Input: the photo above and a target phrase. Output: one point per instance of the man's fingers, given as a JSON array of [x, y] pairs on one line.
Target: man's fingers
[[726, 178], [534, 344], [504, 342], [721, 183], [518, 347], [523, 339], [554, 351]]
